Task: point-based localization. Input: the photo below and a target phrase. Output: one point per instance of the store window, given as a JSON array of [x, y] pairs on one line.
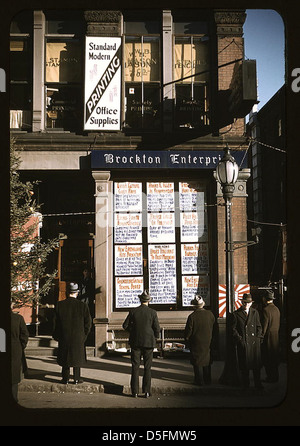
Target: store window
[[64, 70], [160, 243], [21, 71], [191, 74], [142, 74]]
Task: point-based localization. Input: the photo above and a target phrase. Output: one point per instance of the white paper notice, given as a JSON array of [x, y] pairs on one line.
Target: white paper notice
[[160, 197], [192, 285], [128, 260], [128, 228], [194, 258], [162, 274], [127, 291], [161, 227], [128, 197]]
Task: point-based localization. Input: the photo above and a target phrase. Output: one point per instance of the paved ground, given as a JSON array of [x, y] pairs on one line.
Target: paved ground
[[107, 385]]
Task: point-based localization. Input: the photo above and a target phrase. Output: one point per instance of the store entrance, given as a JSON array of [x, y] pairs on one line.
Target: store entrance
[[75, 255]]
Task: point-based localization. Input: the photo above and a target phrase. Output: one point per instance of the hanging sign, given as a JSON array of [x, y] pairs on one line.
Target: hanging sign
[[102, 90]]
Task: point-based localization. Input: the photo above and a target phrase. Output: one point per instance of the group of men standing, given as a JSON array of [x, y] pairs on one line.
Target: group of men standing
[[253, 335]]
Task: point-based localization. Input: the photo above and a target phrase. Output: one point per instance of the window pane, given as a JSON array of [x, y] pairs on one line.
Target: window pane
[[142, 62], [63, 107], [192, 106], [191, 57], [151, 109], [22, 23], [64, 22], [190, 27], [142, 106], [133, 110], [20, 95], [63, 61], [20, 60]]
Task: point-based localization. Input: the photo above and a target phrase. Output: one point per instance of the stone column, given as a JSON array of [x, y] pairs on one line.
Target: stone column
[[38, 106], [168, 89], [102, 258]]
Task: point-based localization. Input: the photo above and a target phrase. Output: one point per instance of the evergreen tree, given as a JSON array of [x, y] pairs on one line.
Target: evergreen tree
[[29, 280]]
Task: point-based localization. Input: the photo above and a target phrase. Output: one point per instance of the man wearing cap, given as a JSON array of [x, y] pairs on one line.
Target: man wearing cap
[[270, 347], [143, 326], [72, 323], [247, 334], [198, 336]]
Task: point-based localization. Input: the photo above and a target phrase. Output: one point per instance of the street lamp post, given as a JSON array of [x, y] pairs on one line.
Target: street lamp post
[[227, 174]]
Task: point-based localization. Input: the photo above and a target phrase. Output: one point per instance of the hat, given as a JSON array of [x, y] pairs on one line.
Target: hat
[[198, 300], [270, 295], [145, 296], [247, 298], [73, 287]]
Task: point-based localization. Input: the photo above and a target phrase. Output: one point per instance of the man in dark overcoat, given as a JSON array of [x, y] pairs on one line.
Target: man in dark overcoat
[[72, 323], [270, 347], [143, 326], [19, 340], [247, 335], [198, 336]]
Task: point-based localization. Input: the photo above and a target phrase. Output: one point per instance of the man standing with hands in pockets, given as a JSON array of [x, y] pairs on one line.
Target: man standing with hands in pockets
[[143, 326]]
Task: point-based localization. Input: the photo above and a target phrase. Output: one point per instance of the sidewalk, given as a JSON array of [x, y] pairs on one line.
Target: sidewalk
[[111, 374]]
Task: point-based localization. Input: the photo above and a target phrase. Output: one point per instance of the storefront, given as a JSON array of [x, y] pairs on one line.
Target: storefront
[[161, 228], [124, 121]]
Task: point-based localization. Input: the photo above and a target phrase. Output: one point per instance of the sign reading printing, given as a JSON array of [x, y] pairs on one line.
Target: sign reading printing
[[102, 94]]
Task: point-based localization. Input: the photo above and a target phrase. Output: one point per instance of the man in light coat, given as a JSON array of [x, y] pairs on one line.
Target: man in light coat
[[72, 323], [247, 334], [198, 336], [143, 326]]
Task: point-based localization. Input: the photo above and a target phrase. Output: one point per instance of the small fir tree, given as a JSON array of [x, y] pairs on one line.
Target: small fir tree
[[29, 280]]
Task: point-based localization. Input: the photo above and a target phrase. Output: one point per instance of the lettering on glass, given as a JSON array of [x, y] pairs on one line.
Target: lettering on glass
[[128, 290], [162, 273]]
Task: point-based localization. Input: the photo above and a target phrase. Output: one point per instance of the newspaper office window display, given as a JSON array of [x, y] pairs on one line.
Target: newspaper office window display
[[170, 256]]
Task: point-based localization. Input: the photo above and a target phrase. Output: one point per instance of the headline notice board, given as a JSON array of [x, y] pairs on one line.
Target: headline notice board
[[102, 89]]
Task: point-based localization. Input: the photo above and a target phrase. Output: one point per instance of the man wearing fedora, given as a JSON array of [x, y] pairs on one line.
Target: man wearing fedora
[[270, 346], [72, 323], [143, 326], [198, 335], [247, 334]]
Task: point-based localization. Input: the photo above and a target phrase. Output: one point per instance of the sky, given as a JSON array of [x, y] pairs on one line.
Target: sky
[[264, 41]]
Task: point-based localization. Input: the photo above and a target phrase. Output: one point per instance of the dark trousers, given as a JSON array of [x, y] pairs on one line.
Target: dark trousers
[[136, 355], [202, 374], [66, 373], [256, 377]]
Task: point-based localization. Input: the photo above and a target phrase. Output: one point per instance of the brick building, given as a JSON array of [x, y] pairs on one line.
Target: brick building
[[123, 120]]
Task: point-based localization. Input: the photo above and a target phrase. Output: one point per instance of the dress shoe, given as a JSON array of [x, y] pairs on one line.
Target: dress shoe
[[65, 381], [147, 394], [134, 395], [78, 381]]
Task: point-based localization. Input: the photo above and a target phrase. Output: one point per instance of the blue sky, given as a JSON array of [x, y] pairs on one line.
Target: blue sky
[[264, 41]]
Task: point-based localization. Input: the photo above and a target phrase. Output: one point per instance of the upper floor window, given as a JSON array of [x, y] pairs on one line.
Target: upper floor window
[[142, 74], [64, 70], [191, 74], [21, 71]]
